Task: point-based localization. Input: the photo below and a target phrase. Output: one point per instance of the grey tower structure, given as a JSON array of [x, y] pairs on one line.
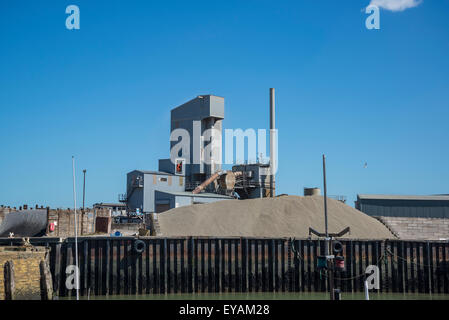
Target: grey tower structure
[[197, 116]]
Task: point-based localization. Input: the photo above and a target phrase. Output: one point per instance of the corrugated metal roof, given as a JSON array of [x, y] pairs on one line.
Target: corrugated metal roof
[[155, 172], [201, 195], [401, 197], [105, 204]]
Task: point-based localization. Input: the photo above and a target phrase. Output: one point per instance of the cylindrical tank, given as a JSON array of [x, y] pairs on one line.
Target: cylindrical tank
[[312, 191], [227, 181]]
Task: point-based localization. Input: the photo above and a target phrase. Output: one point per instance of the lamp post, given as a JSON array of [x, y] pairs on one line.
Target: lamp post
[[328, 260], [327, 240], [76, 232], [84, 188]]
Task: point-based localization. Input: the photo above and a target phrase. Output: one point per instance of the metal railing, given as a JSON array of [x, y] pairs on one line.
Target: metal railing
[[338, 198]]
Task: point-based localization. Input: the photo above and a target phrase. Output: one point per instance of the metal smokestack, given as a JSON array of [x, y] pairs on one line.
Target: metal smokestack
[[272, 141]]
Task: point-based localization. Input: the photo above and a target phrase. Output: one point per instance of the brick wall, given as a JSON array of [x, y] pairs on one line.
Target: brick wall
[[26, 270], [64, 221], [4, 211], [417, 228]]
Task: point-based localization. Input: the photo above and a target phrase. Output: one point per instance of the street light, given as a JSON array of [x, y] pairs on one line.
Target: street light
[[84, 188], [327, 261]]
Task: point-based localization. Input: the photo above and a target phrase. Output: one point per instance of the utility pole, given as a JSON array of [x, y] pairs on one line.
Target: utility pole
[[84, 188], [330, 267], [325, 201], [76, 232], [273, 146], [327, 261]]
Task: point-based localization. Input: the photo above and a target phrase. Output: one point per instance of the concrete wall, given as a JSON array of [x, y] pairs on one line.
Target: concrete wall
[[417, 228], [127, 229], [26, 268]]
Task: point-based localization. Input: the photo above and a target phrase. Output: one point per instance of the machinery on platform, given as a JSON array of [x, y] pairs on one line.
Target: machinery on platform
[[188, 177]]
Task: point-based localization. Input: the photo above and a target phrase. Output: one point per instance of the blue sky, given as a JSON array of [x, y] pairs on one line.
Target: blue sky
[[104, 93]]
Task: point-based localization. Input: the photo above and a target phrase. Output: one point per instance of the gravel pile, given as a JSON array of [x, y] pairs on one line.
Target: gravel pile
[[285, 216]]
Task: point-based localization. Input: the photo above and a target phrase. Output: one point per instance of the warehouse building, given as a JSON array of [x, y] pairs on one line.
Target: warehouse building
[[418, 217], [404, 206], [141, 187]]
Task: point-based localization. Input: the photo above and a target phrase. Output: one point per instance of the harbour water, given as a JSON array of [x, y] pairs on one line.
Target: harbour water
[[271, 296]]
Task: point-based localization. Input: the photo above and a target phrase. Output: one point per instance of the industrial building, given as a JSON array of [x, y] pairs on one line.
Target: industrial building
[[197, 176], [141, 187], [409, 217], [436, 206], [171, 199], [207, 112], [117, 209], [255, 183]]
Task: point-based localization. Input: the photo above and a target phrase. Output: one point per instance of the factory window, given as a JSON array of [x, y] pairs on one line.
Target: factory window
[[179, 166]]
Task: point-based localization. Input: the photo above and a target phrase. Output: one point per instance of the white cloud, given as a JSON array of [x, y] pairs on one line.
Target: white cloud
[[395, 5]]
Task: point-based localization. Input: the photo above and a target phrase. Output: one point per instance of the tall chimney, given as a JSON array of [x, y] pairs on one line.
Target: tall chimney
[[272, 142]]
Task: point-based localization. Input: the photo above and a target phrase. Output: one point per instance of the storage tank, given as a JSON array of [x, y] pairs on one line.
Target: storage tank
[[312, 192], [227, 181]]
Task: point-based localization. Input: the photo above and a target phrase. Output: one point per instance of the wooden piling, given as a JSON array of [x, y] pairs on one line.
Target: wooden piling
[[9, 280], [45, 281], [171, 265]]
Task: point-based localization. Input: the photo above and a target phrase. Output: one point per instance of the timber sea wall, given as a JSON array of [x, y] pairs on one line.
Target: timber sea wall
[[158, 265]]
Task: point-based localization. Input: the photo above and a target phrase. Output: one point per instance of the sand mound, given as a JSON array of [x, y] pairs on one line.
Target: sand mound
[[287, 216]]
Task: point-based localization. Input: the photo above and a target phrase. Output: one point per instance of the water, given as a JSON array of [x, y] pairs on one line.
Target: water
[[270, 296]]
